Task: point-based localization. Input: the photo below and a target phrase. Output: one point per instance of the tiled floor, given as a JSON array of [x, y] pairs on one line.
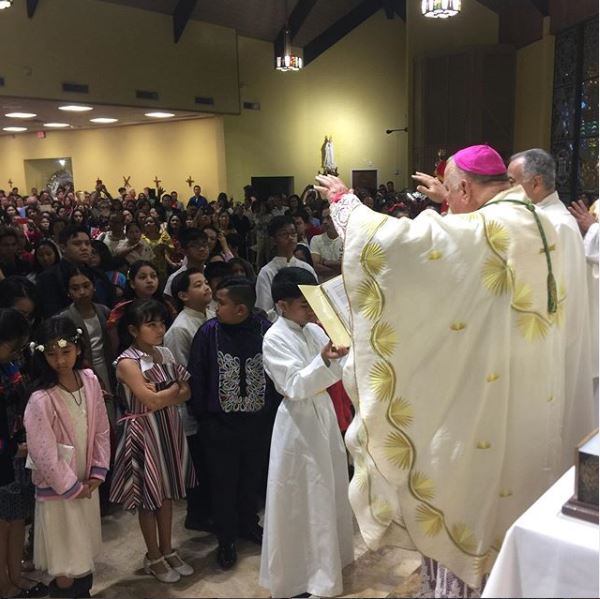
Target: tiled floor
[[389, 572]]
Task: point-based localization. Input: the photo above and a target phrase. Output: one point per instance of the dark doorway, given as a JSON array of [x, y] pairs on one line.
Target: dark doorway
[[366, 179], [266, 186]]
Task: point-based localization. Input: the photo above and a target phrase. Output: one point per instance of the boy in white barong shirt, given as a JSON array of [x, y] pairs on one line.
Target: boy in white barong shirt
[[308, 532]]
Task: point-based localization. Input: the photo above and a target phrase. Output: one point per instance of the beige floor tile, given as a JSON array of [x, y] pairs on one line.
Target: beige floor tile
[[119, 573]]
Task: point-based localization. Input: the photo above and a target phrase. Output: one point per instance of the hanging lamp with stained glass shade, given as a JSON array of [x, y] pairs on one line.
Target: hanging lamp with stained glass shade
[[287, 61], [440, 9]]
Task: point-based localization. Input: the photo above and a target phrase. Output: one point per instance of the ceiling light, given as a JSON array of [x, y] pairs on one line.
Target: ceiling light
[[75, 108], [103, 120], [5, 4], [288, 61], [56, 125], [159, 115], [20, 115], [440, 9], [14, 129]]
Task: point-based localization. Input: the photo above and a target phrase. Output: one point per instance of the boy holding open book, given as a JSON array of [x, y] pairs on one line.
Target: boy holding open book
[[308, 521]]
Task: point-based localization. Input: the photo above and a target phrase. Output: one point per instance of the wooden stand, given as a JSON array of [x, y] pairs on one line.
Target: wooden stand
[[582, 511], [584, 503]]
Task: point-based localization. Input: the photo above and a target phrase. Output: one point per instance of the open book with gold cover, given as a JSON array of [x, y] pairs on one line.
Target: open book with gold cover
[[330, 303]]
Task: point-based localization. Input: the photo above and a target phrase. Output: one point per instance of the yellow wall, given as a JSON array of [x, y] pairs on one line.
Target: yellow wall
[[171, 151], [533, 93], [474, 25], [116, 50], [353, 92]]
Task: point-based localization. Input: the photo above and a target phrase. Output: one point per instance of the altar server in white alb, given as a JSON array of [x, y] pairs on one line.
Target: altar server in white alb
[[458, 337], [308, 520]]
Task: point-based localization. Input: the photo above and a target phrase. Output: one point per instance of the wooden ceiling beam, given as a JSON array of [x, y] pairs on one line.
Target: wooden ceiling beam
[[181, 16], [31, 7], [494, 5], [339, 29], [388, 7], [394, 8], [299, 15], [543, 6]]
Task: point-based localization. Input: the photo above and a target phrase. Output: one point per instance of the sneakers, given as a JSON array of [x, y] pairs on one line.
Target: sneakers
[[178, 564], [164, 574]]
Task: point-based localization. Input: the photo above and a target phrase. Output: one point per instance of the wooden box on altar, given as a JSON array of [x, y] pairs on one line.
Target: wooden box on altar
[[584, 504]]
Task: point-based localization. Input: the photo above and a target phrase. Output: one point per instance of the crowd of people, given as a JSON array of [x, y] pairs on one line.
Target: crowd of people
[[145, 346], [108, 393]]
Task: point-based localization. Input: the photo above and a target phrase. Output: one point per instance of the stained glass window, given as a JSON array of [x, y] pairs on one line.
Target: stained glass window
[[575, 110], [588, 165]]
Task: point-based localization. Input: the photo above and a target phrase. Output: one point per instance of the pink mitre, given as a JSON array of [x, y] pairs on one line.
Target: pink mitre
[[480, 160]]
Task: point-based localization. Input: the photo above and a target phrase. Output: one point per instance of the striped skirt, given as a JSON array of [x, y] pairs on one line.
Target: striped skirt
[[152, 461]]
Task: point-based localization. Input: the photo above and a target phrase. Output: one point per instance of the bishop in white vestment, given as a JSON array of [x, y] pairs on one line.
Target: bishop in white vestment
[[457, 331]]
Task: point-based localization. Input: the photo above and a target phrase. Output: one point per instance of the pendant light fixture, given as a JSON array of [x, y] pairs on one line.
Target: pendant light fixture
[[287, 61], [440, 9]]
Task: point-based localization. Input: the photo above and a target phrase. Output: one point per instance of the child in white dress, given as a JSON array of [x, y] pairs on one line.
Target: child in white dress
[[69, 450]]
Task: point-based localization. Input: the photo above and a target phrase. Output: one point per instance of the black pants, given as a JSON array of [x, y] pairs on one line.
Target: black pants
[[234, 447], [199, 501]]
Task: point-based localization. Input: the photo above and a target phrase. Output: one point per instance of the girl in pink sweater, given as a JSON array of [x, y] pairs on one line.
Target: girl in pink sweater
[[69, 450]]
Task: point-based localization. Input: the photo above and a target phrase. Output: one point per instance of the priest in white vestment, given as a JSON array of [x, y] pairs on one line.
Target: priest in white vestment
[[535, 170], [457, 330]]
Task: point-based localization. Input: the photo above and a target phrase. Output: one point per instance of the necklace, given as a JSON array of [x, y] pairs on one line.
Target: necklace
[[79, 399]]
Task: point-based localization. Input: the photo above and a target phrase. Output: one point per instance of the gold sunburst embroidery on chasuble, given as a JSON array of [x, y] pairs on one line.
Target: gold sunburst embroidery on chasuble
[[384, 339], [373, 258], [400, 412], [398, 450], [382, 380], [396, 479], [382, 511], [422, 486], [463, 536], [430, 520], [496, 275], [370, 299]]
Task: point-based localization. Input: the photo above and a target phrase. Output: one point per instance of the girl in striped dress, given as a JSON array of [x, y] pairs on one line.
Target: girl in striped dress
[[152, 462]]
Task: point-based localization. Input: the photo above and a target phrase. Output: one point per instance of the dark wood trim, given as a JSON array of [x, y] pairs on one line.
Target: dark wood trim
[[339, 29], [299, 15], [566, 13], [181, 16], [494, 5], [543, 6], [31, 7], [394, 8], [388, 7], [520, 24]]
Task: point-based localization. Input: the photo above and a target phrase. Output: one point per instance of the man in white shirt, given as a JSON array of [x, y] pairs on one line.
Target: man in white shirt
[[326, 250], [283, 233]]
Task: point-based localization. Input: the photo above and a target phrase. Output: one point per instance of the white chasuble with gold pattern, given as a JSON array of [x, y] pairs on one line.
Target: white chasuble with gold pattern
[[455, 373]]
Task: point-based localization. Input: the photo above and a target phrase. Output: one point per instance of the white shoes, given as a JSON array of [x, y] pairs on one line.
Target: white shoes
[[178, 564], [165, 574]]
